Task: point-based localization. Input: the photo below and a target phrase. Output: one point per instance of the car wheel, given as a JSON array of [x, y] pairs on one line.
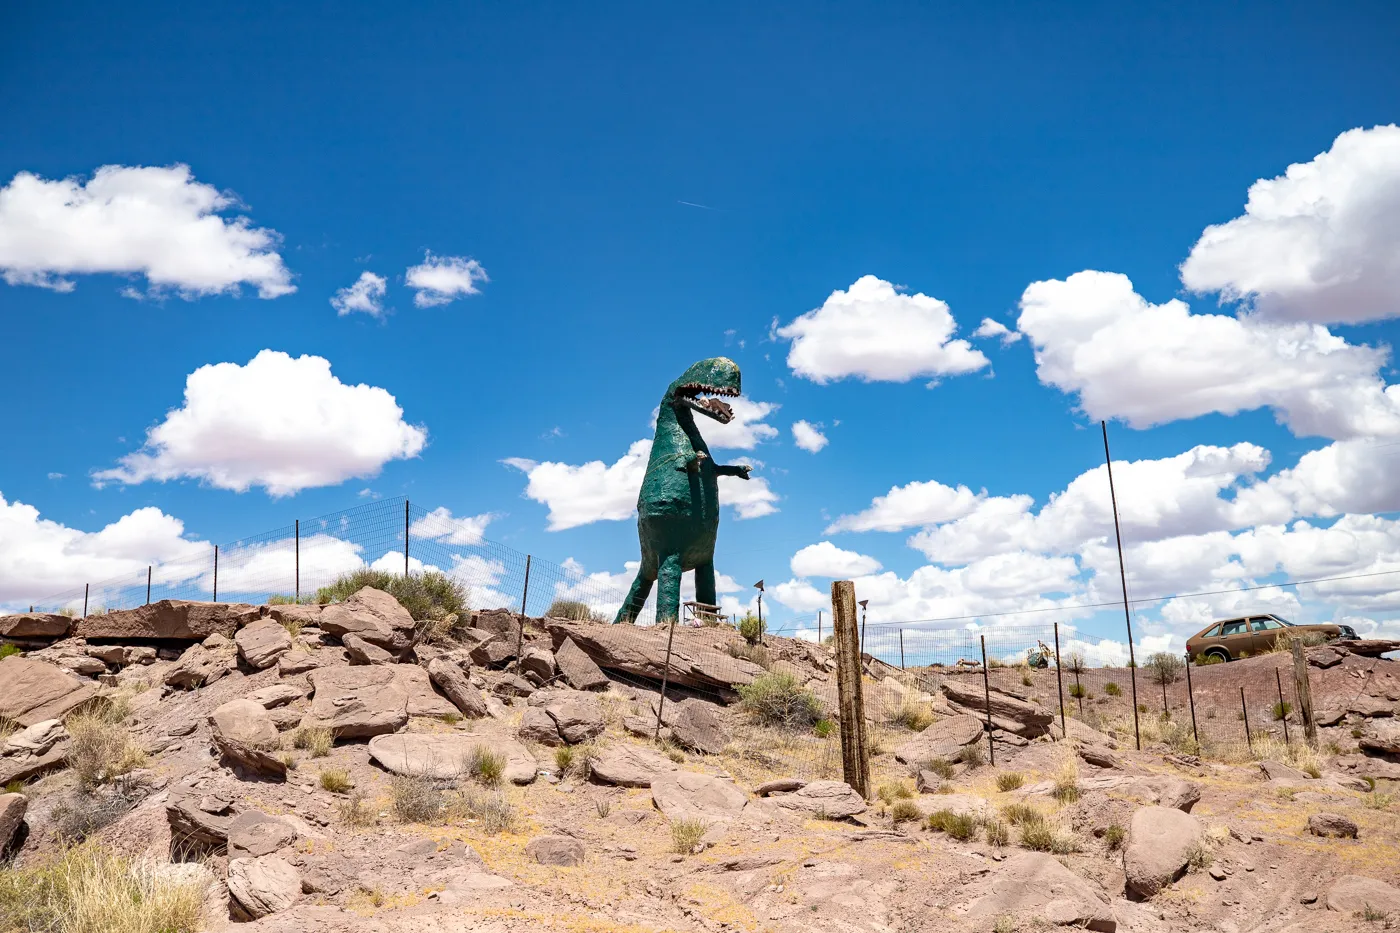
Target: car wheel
[[1220, 653]]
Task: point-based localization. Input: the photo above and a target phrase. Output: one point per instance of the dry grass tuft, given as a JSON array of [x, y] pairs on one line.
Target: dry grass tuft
[[686, 835], [890, 791], [335, 780], [485, 766], [316, 740], [777, 699], [415, 799], [489, 809], [905, 811], [101, 748], [1010, 780]]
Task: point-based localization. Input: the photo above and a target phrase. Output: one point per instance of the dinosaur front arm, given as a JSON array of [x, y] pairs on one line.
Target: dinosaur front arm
[[740, 470]]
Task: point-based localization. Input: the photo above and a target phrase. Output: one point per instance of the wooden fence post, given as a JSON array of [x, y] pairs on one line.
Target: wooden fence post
[[1303, 688], [855, 753]]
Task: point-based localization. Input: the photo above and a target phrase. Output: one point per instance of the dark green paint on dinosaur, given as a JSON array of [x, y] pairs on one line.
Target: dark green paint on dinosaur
[[678, 507]]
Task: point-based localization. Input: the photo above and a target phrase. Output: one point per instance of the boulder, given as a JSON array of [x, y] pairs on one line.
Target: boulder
[[832, 800], [641, 652], [1176, 793], [493, 652], [362, 652], [502, 623], [170, 618], [296, 613], [1278, 771], [1325, 656], [253, 833], [202, 665], [261, 886], [34, 750], [107, 654], [688, 795], [1013, 714], [445, 756], [629, 765], [261, 643], [1159, 845], [1099, 757], [699, 728], [1382, 737], [37, 625], [244, 732], [1331, 824], [452, 681], [943, 739], [1351, 894], [34, 691], [364, 701], [298, 661], [779, 786], [538, 726], [509, 685], [555, 850], [373, 615], [1035, 888], [198, 824], [578, 668], [278, 694], [1329, 717], [578, 719], [36, 739], [1367, 705], [539, 662], [12, 809]]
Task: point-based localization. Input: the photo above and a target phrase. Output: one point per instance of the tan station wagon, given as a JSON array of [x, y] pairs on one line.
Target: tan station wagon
[[1250, 635]]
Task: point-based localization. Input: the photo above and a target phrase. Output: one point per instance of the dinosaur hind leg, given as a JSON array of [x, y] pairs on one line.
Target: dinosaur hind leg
[[636, 597], [705, 583], [668, 594]]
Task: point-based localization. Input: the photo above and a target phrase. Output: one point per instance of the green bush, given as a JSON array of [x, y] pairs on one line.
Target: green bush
[[1165, 667], [777, 699], [574, 610], [1077, 691], [1009, 780], [9, 651], [1281, 709], [430, 596], [939, 766], [905, 811], [1112, 689], [1113, 836], [750, 627], [1204, 659], [757, 654], [961, 826], [973, 755]]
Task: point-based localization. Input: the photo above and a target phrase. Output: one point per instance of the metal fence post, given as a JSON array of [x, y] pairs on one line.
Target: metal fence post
[[1060, 683], [1166, 710], [901, 649], [987, 693], [524, 595], [85, 598], [1282, 707], [855, 753], [405, 546], [1303, 688], [1191, 698], [1244, 711], [148, 584], [819, 626], [296, 595], [665, 679], [216, 573]]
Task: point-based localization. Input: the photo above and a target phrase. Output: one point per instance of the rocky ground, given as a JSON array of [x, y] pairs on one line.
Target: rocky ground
[[348, 768]]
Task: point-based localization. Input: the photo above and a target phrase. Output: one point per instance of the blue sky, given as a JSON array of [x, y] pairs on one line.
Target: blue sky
[[639, 188]]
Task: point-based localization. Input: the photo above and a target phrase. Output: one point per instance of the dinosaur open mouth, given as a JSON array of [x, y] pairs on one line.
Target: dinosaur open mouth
[[699, 397]]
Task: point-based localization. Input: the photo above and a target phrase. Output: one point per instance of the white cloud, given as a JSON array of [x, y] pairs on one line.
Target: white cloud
[[367, 295], [39, 557], [439, 280], [872, 332], [1149, 364], [55, 476], [280, 422], [749, 498], [911, 506], [1319, 243], [440, 525], [825, 559], [808, 436], [990, 328], [745, 432], [139, 221], [267, 568]]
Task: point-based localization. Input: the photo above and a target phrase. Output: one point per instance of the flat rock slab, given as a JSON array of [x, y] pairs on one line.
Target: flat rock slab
[[33, 691], [452, 681], [833, 800], [1354, 893], [688, 795], [1367, 705], [261, 643], [1383, 737], [641, 651], [35, 625], [197, 823], [1035, 888], [578, 668], [373, 615], [278, 694], [943, 739], [629, 765], [555, 850], [579, 718], [1025, 719], [444, 757], [1158, 847], [699, 728], [170, 618], [365, 701], [253, 833]]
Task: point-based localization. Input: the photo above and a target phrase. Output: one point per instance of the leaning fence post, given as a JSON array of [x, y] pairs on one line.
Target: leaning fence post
[[1282, 707], [1060, 683], [665, 679], [85, 598], [901, 649], [1244, 711], [1303, 688], [1166, 710], [987, 693], [216, 573], [1191, 698], [855, 753], [819, 626], [520, 632], [405, 542], [297, 593], [148, 584]]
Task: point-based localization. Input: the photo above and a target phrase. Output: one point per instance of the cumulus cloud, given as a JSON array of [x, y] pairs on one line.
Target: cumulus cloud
[[260, 569], [440, 525], [745, 432], [439, 280], [872, 332], [990, 328], [154, 222], [367, 295], [749, 498], [39, 556], [910, 506], [825, 559], [280, 422], [1320, 243], [808, 436], [1148, 364]]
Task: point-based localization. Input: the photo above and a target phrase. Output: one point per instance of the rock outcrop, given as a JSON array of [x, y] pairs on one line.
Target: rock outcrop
[[1008, 712], [629, 765], [448, 756], [261, 643], [33, 691], [261, 886], [944, 739], [1035, 888], [177, 619], [373, 615], [366, 701], [641, 652]]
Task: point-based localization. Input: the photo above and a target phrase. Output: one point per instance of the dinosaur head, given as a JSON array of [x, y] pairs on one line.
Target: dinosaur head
[[698, 385]]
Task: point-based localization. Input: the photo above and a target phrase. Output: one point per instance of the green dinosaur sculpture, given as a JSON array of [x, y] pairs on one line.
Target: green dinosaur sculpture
[[678, 507]]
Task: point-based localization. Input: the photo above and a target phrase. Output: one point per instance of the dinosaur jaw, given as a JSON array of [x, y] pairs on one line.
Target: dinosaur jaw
[[700, 398]]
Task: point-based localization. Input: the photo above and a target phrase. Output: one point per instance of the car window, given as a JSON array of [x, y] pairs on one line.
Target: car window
[[1283, 620], [1266, 624], [1237, 627], [1212, 632]]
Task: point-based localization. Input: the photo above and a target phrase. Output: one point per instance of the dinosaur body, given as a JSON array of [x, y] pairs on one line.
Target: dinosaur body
[[678, 506]]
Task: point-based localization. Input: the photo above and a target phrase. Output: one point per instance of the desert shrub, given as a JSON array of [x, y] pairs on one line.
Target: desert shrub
[[1038, 837], [1199, 856], [757, 654], [9, 651], [1009, 780], [1077, 691], [1164, 667], [1114, 835], [1112, 689], [564, 758], [485, 766], [91, 889], [998, 833], [427, 596], [777, 699], [316, 740], [686, 835], [15, 787], [8, 727], [961, 826], [1207, 659], [1075, 663], [602, 808], [335, 780], [939, 766], [86, 812], [491, 810], [415, 799], [751, 627], [100, 749], [912, 715], [574, 610], [1280, 709], [1021, 814], [824, 728], [905, 811], [890, 791], [973, 755], [353, 812], [1005, 923]]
